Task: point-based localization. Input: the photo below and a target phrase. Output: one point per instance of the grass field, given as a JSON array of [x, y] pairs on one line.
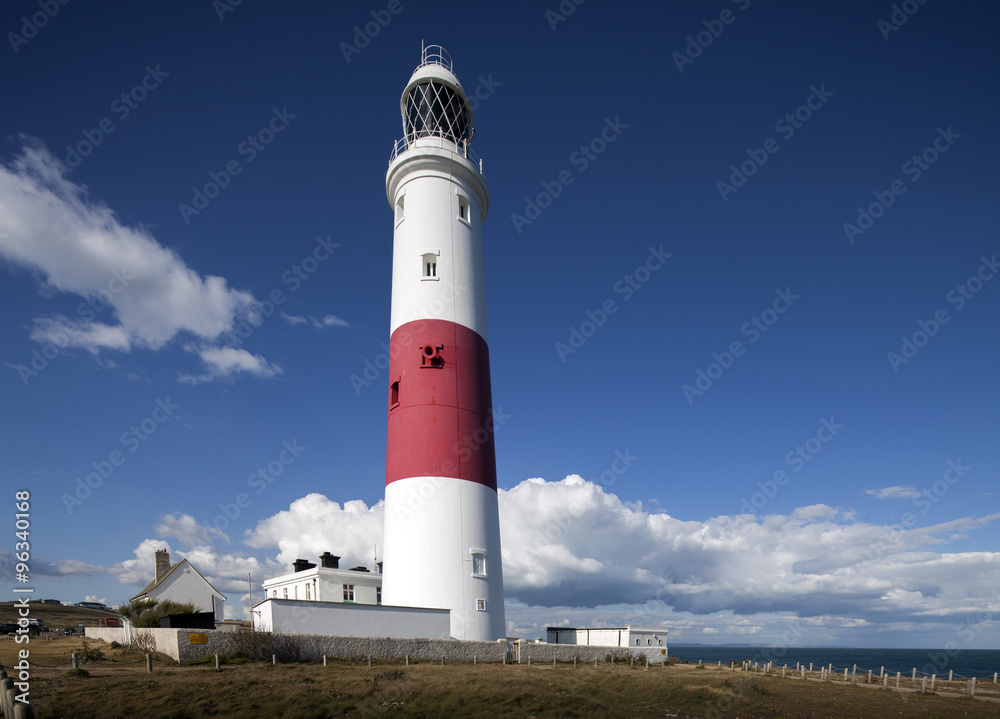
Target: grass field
[[119, 687]]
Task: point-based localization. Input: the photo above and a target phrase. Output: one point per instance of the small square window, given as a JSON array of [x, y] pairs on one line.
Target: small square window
[[648, 642], [481, 605], [378, 595], [479, 565], [394, 395], [463, 208], [307, 592], [637, 642]]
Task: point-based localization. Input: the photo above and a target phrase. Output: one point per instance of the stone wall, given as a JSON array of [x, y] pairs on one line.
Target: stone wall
[[176, 644]]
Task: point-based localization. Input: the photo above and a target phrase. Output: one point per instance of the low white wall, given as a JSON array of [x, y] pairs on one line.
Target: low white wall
[[291, 616]]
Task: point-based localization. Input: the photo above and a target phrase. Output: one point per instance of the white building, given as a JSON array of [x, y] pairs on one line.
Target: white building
[[651, 641], [182, 583], [326, 583], [341, 602]]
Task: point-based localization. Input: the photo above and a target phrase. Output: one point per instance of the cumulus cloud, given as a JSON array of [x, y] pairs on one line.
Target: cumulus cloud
[[185, 528], [575, 554], [326, 321], [314, 524], [137, 294], [897, 492]]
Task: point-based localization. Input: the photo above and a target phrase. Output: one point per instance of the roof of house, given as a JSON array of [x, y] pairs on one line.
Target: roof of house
[[155, 583]]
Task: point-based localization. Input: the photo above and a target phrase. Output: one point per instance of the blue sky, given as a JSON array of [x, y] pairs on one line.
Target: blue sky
[[665, 180]]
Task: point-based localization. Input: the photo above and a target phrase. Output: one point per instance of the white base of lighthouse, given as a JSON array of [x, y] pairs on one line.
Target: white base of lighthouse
[[442, 550]]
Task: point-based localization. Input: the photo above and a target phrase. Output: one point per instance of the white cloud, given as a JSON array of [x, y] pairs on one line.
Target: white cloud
[[185, 528], [897, 492], [294, 319], [95, 598], [326, 321], [138, 294], [314, 524], [229, 361], [574, 552]]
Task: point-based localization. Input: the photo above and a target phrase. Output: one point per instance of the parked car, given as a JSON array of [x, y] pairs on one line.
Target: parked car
[[8, 628], [69, 630]]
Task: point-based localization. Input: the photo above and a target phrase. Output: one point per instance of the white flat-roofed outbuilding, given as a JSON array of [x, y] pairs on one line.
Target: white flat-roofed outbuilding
[[651, 641]]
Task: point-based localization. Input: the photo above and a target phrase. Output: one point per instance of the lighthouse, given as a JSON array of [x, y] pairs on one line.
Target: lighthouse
[[442, 524]]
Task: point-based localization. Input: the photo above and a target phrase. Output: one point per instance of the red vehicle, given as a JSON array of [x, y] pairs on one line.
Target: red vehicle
[[111, 622]]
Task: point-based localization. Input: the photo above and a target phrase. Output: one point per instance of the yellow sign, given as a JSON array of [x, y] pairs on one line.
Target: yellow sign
[[198, 638], [662, 651]]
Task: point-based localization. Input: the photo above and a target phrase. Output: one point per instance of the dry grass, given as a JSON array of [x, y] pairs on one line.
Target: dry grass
[[116, 690]]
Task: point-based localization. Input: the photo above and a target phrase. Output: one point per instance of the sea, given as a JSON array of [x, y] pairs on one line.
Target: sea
[[965, 663]]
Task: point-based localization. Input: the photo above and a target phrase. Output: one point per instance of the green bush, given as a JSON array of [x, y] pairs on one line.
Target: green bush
[[148, 612]]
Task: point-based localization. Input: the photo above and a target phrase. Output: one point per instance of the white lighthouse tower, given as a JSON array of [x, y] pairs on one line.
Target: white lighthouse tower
[[442, 526]]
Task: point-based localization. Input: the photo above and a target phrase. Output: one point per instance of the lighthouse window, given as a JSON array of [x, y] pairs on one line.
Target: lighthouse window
[[394, 394], [399, 209], [348, 592], [478, 563], [463, 208], [429, 261]]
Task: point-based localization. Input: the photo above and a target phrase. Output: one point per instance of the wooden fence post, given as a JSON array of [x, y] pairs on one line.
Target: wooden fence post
[[784, 670], [923, 685], [933, 681], [274, 659], [324, 660], [803, 672], [76, 660], [23, 711], [574, 661], [897, 679], [553, 662], [149, 663], [951, 674], [869, 676], [885, 681], [914, 674], [406, 659]]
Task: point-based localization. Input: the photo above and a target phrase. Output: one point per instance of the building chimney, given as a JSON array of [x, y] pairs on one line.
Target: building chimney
[[162, 564], [300, 565], [329, 561]]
